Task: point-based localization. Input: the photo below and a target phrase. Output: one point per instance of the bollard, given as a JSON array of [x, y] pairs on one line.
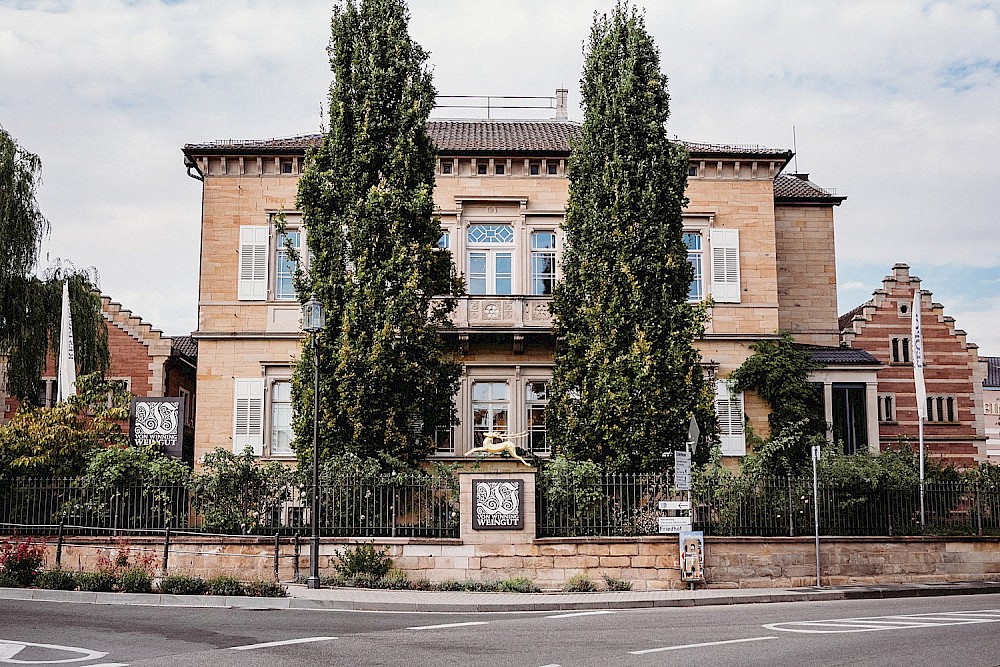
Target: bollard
[[295, 556], [166, 549], [277, 555], [59, 543]]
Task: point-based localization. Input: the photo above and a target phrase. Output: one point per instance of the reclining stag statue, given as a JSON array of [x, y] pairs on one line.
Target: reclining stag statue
[[496, 442]]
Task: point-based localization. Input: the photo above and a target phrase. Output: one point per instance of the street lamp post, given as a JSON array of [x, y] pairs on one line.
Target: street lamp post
[[313, 320]]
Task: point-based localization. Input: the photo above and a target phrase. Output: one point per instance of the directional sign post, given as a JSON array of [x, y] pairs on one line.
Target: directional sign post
[[682, 471]]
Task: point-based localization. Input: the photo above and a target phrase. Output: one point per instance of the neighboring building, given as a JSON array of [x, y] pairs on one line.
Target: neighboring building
[[991, 407], [150, 364], [762, 245], [953, 373]]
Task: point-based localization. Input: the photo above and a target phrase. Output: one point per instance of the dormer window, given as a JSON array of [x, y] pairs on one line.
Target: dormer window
[[286, 166], [481, 168], [534, 169], [499, 170], [552, 168], [446, 167], [692, 170]]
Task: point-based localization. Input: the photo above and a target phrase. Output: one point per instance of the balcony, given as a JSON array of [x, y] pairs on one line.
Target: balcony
[[503, 313]]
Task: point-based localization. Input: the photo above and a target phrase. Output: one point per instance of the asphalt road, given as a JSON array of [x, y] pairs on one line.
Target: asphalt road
[[908, 632]]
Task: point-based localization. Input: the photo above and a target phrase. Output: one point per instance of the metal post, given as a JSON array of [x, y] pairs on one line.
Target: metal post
[[791, 519], [295, 557], [815, 458], [59, 543], [979, 513], [166, 548], [313, 581], [277, 555], [920, 427]]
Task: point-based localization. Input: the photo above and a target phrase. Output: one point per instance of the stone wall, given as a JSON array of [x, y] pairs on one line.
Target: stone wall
[[650, 563]]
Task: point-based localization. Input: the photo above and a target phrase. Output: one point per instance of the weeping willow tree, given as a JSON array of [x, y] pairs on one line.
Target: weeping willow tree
[[30, 306]]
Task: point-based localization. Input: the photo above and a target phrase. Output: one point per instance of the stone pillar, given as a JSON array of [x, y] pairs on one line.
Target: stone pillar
[[519, 495]]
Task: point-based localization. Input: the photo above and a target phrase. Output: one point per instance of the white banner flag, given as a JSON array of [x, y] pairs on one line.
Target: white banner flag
[[917, 338], [67, 357]]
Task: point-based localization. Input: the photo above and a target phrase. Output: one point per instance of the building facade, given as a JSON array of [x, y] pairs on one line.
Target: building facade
[[148, 362], [953, 372], [761, 243]]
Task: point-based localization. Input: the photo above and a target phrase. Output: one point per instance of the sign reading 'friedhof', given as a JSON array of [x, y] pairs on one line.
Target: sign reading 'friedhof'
[[157, 422], [498, 503]]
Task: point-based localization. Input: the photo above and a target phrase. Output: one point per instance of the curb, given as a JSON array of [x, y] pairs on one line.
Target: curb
[[481, 605]]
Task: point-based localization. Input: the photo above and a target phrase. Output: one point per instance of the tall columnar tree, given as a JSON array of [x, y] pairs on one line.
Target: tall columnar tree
[[30, 307], [366, 198], [627, 375]]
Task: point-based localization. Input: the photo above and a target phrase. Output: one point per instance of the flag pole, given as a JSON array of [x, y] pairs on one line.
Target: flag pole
[[67, 356]]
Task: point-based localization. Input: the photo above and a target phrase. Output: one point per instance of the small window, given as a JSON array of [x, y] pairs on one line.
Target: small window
[[446, 167], [543, 262], [499, 169], [481, 168], [900, 350], [552, 168], [904, 309], [692, 170], [695, 257], [286, 166], [535, 399], [444, 242], [281, 419], [534, 169], [490, 405], [942, 409], [887, 408]]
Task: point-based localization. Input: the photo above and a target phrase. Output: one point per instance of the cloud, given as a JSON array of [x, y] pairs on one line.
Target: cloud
[[853, 285], [893, 104]]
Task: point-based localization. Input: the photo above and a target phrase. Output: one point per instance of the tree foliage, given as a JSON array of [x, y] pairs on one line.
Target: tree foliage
[[779, 372], [58, 440], [627, 375], [30, 307], [366, 197], [238, 492]]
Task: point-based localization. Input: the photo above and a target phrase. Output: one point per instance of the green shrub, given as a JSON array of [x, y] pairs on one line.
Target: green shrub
[[224, 584], [363, 559], [135, 580], [616, 584], [448, 585], [334, 580], [422, 584], [579, 583], [265, 588], [101, 581], [21, 561], [7, 580], [517, 585], [56, 580], [183, 584]]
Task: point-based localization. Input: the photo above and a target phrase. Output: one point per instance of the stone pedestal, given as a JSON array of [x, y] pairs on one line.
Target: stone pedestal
[[503, 486]]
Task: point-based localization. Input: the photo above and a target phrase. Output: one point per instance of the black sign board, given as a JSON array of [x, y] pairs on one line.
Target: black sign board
[[498, 504], [157, 422]]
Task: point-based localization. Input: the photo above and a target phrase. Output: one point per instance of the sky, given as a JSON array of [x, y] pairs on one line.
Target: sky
[[896, 105]]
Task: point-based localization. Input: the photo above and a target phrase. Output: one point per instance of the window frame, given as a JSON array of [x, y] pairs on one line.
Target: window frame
[[491, 252], [699, 270], [272, 401], [277, 252], [886, 402], [493, 407], [534, 278], [533, 405]]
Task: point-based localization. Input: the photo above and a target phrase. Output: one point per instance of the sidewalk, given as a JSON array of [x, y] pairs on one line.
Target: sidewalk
[[356, 599]]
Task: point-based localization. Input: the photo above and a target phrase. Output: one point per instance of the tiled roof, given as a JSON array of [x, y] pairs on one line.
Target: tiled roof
[[832, 356], [185, 346], [844, 321], [799, 188], [992, 372], [476, 135]]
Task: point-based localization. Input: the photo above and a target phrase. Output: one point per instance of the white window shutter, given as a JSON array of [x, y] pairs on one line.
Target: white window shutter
[[729, 408], [253, 264], [725, 265], [248, 416]]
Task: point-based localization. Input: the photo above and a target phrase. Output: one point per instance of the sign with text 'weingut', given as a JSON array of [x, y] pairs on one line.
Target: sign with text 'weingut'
[[157, 422], [498, 504]]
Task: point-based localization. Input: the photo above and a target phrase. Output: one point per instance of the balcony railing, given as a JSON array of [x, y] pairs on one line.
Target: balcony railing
[[518, 312]]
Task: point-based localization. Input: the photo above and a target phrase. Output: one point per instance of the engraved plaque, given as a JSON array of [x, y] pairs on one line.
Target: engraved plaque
[[498, 504]]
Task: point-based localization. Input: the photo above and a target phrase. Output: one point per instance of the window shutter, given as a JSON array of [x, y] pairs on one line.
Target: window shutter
[[725, 265], [729, 408], [248, 416], [253, 264]]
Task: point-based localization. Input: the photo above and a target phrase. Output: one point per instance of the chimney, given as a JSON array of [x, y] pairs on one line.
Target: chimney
[[901, 272], [561, 112]]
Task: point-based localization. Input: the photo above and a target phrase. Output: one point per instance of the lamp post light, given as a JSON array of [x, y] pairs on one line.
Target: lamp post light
[[313, 321]]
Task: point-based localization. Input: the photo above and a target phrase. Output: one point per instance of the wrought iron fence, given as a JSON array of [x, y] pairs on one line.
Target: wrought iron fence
[[628, 504], [406, 506]]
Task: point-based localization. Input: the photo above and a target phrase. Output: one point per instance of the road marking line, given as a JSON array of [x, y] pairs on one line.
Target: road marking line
[[681, 646], [304, 640], [579, 613], [8, 649], [447, 625], [111, 664], [893, 622]]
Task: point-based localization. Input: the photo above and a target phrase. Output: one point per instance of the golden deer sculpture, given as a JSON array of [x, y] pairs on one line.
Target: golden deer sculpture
[[496, 442]]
